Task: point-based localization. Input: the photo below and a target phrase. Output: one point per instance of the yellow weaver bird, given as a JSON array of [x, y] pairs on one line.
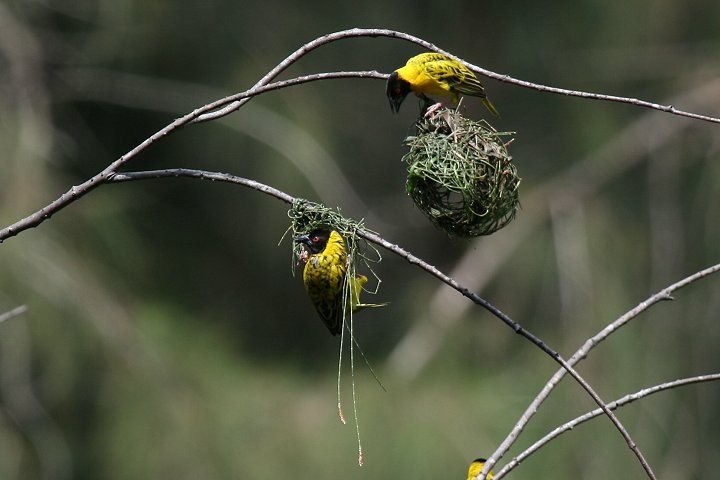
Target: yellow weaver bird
[[475, 467], [434, 74], [326, 264]]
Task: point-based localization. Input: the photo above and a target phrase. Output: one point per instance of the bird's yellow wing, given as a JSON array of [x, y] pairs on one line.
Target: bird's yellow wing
[[324, 276], [456, 76], [439, 73], [326, 280], [427, 57]]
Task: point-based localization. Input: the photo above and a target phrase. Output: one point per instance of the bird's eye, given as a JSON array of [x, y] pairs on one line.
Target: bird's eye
[[315, 239]]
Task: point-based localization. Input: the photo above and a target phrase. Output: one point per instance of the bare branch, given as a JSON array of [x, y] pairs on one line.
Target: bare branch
[[19, 310], [231, 103], [79, 191], [620, 402], [539, 87], [379, 32], [203, 175], [175, 173], [583, 351]]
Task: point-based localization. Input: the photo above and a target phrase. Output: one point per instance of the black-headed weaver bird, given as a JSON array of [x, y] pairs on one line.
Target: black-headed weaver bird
[[434, 74], [475, 467], [326, 265]]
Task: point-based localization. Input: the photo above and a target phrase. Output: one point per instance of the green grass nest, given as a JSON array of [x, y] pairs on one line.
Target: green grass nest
[[461, 175]]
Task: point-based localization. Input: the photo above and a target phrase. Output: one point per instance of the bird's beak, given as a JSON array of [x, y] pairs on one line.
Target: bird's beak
[[396, 90], [302, 239], [395, 102]]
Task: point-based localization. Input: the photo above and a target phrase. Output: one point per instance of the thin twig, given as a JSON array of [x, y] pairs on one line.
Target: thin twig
[[379, 32], [620, 402], [76, 192], [231, 103], [170, 173], [19, 310], [582, 352], [566, 366]]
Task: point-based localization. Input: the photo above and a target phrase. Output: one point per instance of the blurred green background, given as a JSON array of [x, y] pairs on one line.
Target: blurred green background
[[166, 336]]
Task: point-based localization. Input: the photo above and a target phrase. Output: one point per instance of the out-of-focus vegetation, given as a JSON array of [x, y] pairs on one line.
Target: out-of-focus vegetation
[[165, 335]]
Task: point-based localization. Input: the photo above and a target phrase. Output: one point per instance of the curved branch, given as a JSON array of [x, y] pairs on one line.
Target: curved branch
[[620, 402], [542, 88], [224, 177], [231, 103], [662, 295], [380, 32], [203, 175], [77, 191]]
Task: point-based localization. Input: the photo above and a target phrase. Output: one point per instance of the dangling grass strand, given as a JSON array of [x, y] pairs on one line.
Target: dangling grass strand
[[306, 216]]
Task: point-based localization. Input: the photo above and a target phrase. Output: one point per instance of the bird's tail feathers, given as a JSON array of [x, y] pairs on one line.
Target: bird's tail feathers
[[488, 104]]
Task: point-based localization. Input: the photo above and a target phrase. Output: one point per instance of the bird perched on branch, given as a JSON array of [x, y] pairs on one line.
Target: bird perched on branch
[[434, 74], [476, 467], [326, 265]]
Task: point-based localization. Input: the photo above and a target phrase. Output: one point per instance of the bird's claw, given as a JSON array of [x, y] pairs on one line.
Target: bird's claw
[[432, 109]]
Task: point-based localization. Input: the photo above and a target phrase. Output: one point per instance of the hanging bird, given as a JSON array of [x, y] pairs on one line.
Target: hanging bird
[[434, 74], [324, 277], [476, 467]]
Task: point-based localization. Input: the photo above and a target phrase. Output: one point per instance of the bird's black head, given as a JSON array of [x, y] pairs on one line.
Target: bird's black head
[[316, 240], [397, 90]]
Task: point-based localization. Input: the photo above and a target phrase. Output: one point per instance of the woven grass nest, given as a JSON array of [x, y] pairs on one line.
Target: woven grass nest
[[460, 174]]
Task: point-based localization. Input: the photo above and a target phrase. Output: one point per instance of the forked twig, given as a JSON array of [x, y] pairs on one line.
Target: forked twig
[[582, 352], [620, 402]]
